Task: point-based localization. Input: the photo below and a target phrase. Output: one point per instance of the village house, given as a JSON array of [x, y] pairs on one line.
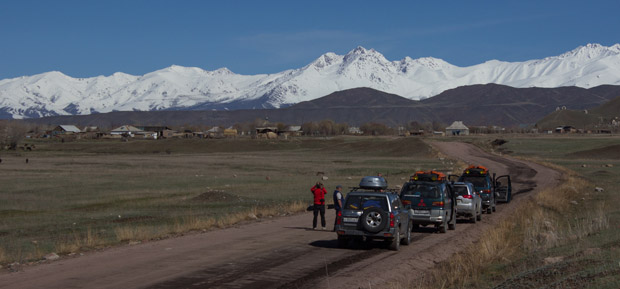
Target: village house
[[565, 129], [291, 130], [132, 131], [457, 128], [65, 129]]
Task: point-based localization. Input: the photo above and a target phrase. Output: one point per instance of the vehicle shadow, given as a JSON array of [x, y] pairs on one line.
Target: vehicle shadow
[[305, 229], [427, 229], [355, 245]]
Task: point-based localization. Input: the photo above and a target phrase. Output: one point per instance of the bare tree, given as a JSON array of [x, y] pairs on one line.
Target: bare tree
[[11, 133]]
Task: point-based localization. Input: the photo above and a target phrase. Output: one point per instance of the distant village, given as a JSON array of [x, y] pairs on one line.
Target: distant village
[[457, 128]]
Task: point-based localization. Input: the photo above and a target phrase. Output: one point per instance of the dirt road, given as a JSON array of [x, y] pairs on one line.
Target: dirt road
[[280, 252]]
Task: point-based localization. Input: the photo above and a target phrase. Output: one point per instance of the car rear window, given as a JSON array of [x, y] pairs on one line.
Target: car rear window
[[461, 190], [478, 182], [421, 190], [365, 202]]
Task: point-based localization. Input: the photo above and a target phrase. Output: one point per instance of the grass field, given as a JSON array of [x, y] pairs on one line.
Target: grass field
[[565, 237], [78, 196]]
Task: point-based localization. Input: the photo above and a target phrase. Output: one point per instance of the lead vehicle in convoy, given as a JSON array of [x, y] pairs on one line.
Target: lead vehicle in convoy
[[490, 187], [431, 200], [373, 212]]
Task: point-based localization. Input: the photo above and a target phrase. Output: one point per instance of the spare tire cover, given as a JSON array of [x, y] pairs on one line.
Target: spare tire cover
[[374, 219]]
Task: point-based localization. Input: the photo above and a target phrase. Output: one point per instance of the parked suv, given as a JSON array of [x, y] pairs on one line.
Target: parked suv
[[373, 212], [468, 201], [431, 201], [489, 187]]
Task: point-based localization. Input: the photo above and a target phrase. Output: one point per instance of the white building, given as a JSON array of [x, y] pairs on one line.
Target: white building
[[457, 128]]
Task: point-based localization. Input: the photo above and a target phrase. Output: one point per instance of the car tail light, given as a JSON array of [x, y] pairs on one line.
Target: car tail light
[[406, 202], [391, 220], [486, 191], [339, 218], [438, 204], [467, 196]]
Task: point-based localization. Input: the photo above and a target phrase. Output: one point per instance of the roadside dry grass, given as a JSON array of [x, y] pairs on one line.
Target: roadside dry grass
[[86, 195], [561, 238]]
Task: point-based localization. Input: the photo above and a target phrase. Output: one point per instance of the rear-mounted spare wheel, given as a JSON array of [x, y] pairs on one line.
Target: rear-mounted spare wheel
[[374, 220]]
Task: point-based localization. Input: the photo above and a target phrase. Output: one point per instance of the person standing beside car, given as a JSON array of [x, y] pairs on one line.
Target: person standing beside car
[[319, 193], [337, 203]]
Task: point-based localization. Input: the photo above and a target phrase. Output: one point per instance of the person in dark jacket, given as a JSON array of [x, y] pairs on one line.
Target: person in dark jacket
[[337, 203], [319, 193]]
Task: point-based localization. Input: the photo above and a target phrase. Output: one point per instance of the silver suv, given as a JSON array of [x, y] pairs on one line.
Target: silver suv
[[369, 213], [468, 201]]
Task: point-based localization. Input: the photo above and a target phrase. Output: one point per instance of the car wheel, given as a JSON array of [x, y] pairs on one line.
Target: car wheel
[[416, 226], [395, 244], [473, 218], [374, 220], [479, 214], [489, 210], [407, 240], [444, 225], [343, 241], [494, 206]]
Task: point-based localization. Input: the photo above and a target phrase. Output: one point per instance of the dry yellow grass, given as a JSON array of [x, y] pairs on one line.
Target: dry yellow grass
[[539, 223], [193, 223]]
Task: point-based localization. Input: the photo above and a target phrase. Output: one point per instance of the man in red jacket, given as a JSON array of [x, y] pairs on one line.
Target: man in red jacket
[[319, 203]]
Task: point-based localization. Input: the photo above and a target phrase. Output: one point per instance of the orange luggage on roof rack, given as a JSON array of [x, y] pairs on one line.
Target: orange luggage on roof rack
[[479, 170], [431, 175]]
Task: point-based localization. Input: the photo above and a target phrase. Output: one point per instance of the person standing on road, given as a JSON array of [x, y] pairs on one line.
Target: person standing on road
[[319, 193], [337, 203]]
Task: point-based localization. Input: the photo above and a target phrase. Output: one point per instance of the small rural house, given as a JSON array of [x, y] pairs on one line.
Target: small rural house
[[65, 129], [270, 132], [128, 130], [457, 128], [132, 131], [291, 130]]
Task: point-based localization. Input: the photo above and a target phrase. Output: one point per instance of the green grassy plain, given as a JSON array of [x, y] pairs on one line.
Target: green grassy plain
[[84, 195]]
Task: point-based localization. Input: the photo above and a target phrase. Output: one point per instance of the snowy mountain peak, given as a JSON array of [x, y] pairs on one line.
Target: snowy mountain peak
[[178, 87], [591, 51]]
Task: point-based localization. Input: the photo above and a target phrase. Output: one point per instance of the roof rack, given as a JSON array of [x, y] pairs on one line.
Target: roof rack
[[388, 190]]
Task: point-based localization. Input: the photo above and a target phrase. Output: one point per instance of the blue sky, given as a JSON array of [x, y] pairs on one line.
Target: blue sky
[[90, 38]]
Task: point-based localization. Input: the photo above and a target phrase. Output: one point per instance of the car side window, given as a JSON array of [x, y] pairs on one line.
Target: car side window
[[396, 204]]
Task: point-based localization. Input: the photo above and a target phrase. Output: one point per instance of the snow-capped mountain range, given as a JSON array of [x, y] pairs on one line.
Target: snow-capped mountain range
[[177, 87]]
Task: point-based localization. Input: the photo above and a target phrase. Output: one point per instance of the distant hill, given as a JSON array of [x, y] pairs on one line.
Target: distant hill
[[596, 117], [478, 105]]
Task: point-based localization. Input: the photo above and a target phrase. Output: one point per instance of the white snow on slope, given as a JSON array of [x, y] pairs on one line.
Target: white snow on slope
[[54, 93]]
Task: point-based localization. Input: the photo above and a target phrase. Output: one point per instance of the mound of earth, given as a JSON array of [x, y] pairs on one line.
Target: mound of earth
[[216, 196], [608, 152]]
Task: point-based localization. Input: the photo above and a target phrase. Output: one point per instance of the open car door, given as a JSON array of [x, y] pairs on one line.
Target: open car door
[[503, 189]]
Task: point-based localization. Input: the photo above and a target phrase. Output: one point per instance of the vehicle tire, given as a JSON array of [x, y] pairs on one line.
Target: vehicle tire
[[395, 244], [473, 218], [407, 239], [415, 227], [343, 241], [479, 214], [452, 223], [489, 210], [444, 226], [374, 220], [494, 206]]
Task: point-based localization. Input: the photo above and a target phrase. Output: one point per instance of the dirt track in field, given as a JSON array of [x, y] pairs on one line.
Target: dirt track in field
[[280, 252]]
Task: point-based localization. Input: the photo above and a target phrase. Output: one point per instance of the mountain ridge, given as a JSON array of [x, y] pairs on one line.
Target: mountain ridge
[[180, 88], [519, 107]]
